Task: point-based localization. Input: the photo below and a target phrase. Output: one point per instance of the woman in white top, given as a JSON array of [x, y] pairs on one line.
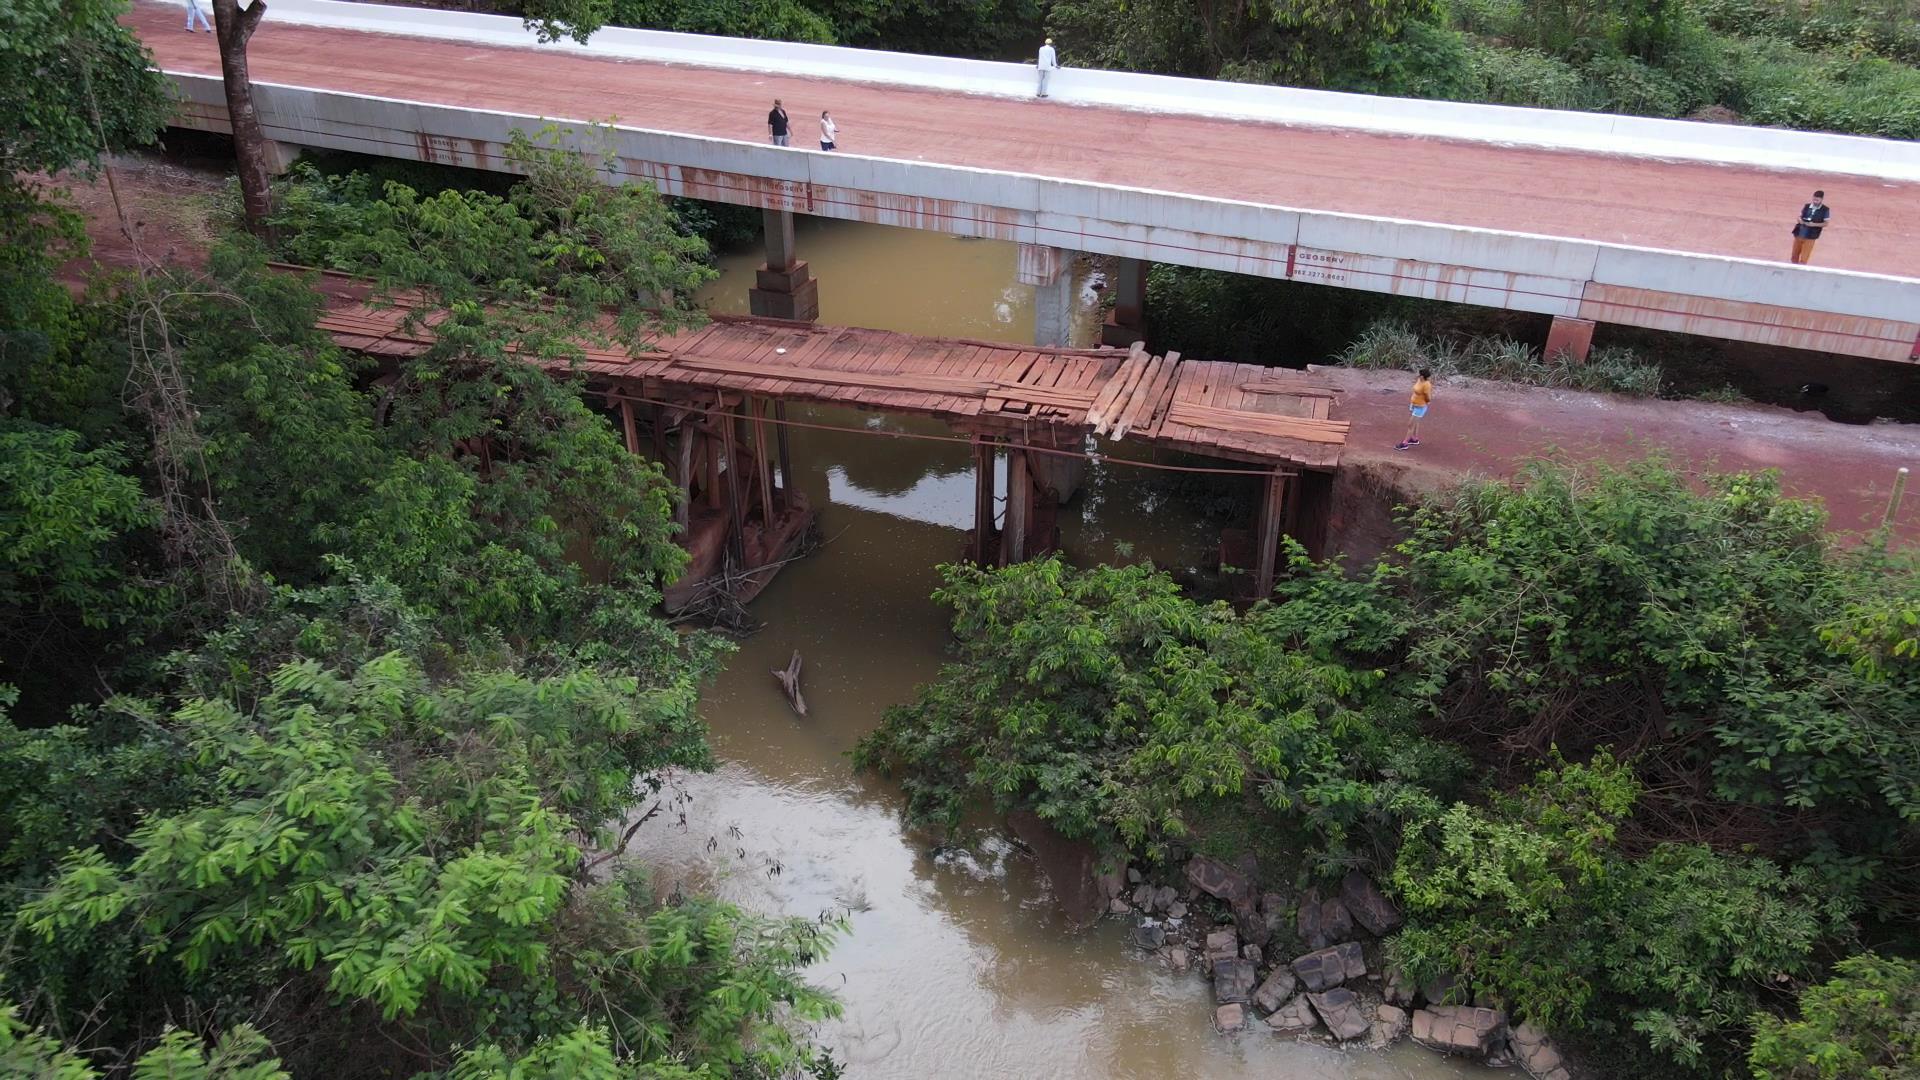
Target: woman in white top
[[827, 130]]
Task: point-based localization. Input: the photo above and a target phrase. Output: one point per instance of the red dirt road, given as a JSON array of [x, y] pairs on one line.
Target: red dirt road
[[1688, 207], [1486, 429]]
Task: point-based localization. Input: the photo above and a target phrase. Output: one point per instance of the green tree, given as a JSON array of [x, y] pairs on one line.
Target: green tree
[[1115, 708], [1862, 1024], [419, 848]]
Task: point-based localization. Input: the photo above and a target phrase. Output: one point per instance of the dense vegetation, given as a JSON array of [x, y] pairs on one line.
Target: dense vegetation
[[1641, 761], [318, 748]]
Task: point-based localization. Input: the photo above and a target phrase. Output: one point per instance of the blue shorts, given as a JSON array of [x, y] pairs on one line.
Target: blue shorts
[[1418, 411]]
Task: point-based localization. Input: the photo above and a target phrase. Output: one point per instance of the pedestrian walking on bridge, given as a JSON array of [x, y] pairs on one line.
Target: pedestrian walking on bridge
[[1813, 218], [195, 11], [777, 124], [1049, 63], [828, 131]]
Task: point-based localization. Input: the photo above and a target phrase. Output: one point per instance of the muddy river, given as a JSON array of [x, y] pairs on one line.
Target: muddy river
[[957, 965]]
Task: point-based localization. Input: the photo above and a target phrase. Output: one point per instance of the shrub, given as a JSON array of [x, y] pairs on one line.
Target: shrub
[[1113, 707], [1531, 902], [1862, 1024]]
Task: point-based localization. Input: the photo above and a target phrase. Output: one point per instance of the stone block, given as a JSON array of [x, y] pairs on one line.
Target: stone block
[[1340, 1010], [1111, 881], [1368, 905], [1535, 1050], [1143, 897], [1458, 1029], [1295, 1017], [1252, 955], [1323, 920], [1397, 990], [1275, 991], [1232, 980], [1222, 945], [1230, 1018], [1218, 880], [1150, 935], [1179, 959], [1328, 968], [1389, 1023], [1164, 897]]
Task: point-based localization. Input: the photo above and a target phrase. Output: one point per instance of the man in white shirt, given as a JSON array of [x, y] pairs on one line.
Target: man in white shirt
[[1048, 63]]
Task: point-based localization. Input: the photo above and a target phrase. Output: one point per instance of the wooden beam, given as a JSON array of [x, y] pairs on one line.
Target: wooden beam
[[658, 419], [1267, 535], [736, 525], [755, 406], [683, 472], [786, 459], [710, 446], [982, 499], [626, 425], [1013, 541]]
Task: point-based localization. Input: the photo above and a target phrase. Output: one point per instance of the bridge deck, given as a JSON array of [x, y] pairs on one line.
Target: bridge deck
[[1237, 411], [1691, 207]]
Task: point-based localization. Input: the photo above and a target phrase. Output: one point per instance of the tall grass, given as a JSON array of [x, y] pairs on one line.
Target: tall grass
[[1393, 345]]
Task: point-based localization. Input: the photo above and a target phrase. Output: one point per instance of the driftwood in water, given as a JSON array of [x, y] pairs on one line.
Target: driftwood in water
[[790, 682]]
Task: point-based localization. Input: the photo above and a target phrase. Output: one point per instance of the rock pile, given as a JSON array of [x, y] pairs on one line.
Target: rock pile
[[1336, 988]]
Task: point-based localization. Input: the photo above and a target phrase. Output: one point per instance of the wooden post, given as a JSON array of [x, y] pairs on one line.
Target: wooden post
[[786, 460], [982, 498], [658, 413], [1267, 536], [736, 526], [710, 446], [683, 473], [1013, 538], [760, 459], [626, 425]]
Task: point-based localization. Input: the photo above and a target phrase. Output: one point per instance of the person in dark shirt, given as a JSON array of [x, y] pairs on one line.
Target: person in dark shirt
[[777, 123], [1813, 218]]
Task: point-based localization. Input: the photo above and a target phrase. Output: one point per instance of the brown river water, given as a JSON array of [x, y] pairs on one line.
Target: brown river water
[[957, 965]]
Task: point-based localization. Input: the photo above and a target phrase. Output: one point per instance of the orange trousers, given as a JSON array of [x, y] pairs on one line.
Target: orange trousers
[[1802, 250]]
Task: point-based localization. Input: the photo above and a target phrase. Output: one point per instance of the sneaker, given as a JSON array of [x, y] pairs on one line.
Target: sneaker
[[1403, 446], [1413, 442]]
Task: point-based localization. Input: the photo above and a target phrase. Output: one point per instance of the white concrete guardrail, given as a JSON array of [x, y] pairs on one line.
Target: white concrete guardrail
[[1682, 140], [1742, 299]]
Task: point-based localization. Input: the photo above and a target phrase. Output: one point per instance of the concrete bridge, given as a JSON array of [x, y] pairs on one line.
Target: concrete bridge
[[1587, 218]]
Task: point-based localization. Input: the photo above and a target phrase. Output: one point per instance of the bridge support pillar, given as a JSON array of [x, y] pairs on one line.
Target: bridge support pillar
[[1127, 322], [1045, 268], [1571, 336], [784, 287]]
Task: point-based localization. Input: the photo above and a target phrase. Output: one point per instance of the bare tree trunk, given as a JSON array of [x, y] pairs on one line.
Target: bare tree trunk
[[234, 26]]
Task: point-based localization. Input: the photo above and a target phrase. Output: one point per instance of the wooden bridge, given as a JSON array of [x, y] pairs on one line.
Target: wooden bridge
[[710, 405]]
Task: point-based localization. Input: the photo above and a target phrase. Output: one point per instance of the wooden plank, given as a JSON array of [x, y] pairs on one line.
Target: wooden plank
[[1103, 402], [1156, 395], [982, 499], [875, 380], [1138, 400], [1164, 400], [1304, 429]]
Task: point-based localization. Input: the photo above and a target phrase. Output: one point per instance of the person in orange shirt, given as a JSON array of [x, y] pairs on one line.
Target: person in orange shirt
[[1417, 409]]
